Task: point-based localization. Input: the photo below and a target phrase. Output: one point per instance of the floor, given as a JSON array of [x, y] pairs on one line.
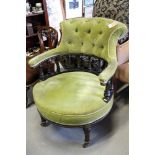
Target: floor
[[108, 137]]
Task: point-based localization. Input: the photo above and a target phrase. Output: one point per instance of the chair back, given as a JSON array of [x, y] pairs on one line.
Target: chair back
[[48, 38], [93, 36]]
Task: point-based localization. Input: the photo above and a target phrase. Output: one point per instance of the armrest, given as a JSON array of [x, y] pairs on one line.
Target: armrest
[[108, 72], [105, 79], [34, 62]]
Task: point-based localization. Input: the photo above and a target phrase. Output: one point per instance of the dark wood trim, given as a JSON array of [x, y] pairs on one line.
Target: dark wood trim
[[86, 129], [45, 12], [44, 122], [109, 90]]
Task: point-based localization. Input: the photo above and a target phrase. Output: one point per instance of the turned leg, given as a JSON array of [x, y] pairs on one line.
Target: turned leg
[[44, 122], [86, 130]]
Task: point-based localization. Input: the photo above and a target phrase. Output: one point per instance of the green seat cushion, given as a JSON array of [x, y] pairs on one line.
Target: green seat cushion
[[72, 98]]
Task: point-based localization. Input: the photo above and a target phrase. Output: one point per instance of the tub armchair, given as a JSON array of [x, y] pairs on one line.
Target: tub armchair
[[81, 93]]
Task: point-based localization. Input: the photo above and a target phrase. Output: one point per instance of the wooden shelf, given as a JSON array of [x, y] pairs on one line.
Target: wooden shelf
[[37, 19], [34, 14], [33, 35]]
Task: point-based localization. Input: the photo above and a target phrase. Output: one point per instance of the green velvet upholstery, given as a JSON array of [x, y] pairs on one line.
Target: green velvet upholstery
[[76, 98], [73, 98]]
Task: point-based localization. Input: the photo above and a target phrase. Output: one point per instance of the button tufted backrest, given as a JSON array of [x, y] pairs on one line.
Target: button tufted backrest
[[94, 36]]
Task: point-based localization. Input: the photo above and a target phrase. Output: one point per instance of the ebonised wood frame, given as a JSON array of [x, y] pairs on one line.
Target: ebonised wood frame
[[77, 62]]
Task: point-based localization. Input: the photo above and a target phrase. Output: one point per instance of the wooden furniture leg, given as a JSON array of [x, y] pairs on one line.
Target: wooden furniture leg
[[44, 122], [86, 130]]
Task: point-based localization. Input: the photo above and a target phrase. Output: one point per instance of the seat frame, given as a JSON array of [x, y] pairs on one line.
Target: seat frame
[[77, 62]]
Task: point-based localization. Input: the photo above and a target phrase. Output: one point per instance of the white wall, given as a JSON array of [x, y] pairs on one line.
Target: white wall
[[55, 15]]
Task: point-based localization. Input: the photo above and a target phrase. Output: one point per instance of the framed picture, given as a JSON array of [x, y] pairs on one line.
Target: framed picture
[[73, 8], [88, 12], [88, 2]]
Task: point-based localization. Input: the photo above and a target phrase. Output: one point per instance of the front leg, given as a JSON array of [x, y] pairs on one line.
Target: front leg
[[86, 129], [44, 122]]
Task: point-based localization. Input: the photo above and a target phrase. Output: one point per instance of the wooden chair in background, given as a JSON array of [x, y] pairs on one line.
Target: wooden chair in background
[[48, 39]]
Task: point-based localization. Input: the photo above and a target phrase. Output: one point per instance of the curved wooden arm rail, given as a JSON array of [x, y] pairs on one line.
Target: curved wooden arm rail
[[77, 62]]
